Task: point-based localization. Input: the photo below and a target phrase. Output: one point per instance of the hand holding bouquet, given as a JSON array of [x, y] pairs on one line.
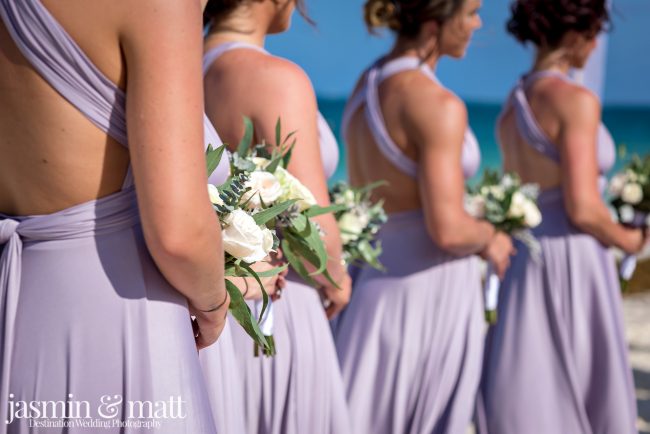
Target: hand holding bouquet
[[359, 222], [512, 208], [246, 240], [630, 191], [280, 202]]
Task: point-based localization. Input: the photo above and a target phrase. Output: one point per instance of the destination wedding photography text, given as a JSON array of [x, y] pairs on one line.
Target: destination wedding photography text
[[108, 411]]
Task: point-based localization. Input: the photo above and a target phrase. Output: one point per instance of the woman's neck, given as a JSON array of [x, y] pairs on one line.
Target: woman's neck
[[551, 60], [240, 26], [426, 51]]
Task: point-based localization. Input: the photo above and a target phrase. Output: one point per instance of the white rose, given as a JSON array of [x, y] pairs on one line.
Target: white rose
[[244, 239], [496, 191], [351, 226], [532, 215], [267, 242], [631, 175], [517, 205], [213, 192], [293, 189], [632, 194], [616, 184], [347, 199], [626, 213], [475, 206], [260, 162], [264, 187], [507, 181]]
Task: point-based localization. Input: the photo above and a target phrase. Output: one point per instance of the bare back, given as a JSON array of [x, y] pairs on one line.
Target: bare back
[[53, 157], [366, 163], [544, 98]]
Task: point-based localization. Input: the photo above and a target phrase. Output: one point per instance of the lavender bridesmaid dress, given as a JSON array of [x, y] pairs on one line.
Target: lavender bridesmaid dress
[[410, 342], [300, 390], [86, 315], [221, 371], [556, 362]]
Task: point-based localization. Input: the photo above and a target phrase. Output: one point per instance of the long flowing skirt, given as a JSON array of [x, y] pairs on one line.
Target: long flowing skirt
[[556, 361], [224, 382], [410, 342], [300, 390], [99, 327]]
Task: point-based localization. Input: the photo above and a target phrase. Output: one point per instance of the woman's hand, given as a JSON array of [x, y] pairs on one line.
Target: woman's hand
[[249, 286], [209, 322], [635, 240], [498, 252], [337, 298]]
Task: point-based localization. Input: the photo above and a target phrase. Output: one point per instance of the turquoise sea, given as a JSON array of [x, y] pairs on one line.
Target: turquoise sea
[[630, 126]]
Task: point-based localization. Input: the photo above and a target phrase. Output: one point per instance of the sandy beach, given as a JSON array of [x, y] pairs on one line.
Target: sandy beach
[[636, 308]]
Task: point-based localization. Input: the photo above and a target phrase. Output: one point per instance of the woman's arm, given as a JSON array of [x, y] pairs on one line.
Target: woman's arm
[[162, 45], [436, 122], [294, 101], [580, 120]]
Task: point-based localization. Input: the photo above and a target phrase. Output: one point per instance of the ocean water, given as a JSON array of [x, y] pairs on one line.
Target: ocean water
[[630, 127]]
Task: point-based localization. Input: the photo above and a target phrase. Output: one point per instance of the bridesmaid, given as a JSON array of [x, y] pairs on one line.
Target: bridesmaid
[[557, 359], [300, 390], [96, 281], [410, 342]]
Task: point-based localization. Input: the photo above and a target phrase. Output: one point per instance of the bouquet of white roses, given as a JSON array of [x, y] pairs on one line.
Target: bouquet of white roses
[[246, 240], [630, 192], [270, 185], [359, 223], [512, 208]]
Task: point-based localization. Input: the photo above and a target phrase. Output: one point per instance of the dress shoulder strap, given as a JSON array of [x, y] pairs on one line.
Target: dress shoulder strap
[[62, 63], [375, 118]]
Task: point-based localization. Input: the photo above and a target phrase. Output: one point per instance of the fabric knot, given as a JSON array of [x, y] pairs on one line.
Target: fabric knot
[[8, 228]]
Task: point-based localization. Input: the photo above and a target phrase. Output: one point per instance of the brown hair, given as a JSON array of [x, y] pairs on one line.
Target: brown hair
[[217, 9], [405, 17], [545, 22]]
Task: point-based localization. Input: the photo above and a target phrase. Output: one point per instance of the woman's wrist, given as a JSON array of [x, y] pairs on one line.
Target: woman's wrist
[[492, 235], [635, 240], [213, 305]]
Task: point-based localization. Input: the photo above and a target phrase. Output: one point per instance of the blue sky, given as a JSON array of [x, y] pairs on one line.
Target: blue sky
[[339, 48]]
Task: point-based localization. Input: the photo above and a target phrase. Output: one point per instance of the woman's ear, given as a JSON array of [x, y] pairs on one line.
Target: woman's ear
[[430, 28], [571, 39]]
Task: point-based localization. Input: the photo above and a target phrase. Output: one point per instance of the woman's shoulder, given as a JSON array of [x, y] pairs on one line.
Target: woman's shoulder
[[566, 97], [270, 74], [424, 96], [435, 115], [577, 106], [284, 72]]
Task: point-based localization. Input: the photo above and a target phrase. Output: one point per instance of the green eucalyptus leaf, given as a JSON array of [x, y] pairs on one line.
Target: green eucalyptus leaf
[[312, 237], [243, 315], [278, 133], [213, 157], [287, 156], [316, 210], [273, 165], [302, 248], [261, 218], [247, 140], [296, 263], [273, 271], [265, 295], [372, 186]]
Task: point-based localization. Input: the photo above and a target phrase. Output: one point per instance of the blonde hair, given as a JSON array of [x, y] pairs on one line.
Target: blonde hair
[[405, 17]]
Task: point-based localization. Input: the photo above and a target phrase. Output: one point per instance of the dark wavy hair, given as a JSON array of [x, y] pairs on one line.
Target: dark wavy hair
[[405, 17], [545, 22], [217, 9]]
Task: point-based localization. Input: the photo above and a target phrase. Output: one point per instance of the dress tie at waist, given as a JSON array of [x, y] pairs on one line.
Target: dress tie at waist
[[87, 220]]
